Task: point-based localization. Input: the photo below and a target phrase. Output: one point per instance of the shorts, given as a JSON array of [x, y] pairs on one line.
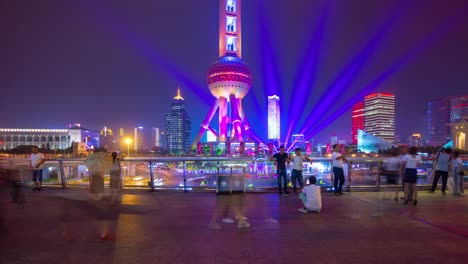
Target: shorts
[[37, 175], [392, 178], [411, 175]]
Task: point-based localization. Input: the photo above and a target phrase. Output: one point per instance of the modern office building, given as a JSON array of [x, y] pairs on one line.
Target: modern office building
[[357, 121], [178, 126], [138, 138], [274, 123], [379, 115], [442, 114], [156, 137]]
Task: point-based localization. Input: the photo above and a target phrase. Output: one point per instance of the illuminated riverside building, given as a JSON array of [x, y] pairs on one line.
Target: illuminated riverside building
[[274, 123], [229, 80], [417, 140], [11, 138], [357, 121], [178, 126], [442, 115], [379, 116], [107, 139]]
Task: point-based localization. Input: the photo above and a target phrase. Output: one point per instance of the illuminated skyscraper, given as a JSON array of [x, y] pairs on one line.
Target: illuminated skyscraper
[[178, 126], [156, 137], [379, 116], [273, 117], [138, 137], [357, 121]]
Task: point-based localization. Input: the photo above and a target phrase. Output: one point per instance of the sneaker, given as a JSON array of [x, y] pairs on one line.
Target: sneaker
[[241, 218], [430, 191], [243, 224], [285, 194], [303, 210], [228, 220], [214, 225], [443, 193], [271, 221], [35, 188]]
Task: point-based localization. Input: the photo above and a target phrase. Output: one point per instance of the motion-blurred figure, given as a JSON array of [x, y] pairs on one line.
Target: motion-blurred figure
[[226, 204]]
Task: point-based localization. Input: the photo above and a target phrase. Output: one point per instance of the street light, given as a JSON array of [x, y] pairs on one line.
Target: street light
[[128, 141]]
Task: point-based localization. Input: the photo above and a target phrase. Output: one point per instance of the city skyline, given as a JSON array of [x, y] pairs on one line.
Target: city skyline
[[81, 62]]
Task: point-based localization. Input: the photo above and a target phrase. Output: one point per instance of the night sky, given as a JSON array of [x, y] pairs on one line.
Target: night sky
[[118, 62]]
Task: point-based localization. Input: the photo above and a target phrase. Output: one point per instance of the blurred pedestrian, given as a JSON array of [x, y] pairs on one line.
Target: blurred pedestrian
[[411, 162], [457, 174], [391, 170], [115, 184]]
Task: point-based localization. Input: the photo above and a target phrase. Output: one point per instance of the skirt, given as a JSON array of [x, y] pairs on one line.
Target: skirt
[[411, 175]]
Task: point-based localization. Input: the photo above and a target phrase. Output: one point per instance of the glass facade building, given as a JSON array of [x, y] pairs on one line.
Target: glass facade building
[[273, 117], [442, 114], [357, 121], [178, 126], [368, 143], [379, 116]]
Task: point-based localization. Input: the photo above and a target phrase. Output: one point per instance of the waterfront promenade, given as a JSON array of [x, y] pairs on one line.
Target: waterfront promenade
[[173, 227]]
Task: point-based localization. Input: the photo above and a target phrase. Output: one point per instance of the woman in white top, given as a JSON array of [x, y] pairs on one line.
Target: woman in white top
[[457, 168], [411, 162]]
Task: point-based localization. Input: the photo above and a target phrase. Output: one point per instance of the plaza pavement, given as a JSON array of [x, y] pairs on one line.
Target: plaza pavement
[[173, 227]]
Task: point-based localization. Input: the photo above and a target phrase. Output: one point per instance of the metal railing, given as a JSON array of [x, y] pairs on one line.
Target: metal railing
[[200, 173]]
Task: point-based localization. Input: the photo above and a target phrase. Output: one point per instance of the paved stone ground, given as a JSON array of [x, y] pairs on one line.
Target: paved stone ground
[[172, 227]]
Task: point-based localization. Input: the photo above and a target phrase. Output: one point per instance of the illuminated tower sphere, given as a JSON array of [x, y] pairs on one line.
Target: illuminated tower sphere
[[229, 75], [229, 78]]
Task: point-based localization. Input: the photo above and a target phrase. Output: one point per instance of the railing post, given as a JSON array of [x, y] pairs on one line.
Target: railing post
[[151, 176], [62, 175], [185, 179], [350, 172]]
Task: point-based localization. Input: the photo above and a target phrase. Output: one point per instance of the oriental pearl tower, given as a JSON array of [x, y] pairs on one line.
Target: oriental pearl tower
[[229, 79]]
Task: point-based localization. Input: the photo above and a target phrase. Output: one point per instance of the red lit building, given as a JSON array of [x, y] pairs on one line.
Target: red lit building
[[357, 120]]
